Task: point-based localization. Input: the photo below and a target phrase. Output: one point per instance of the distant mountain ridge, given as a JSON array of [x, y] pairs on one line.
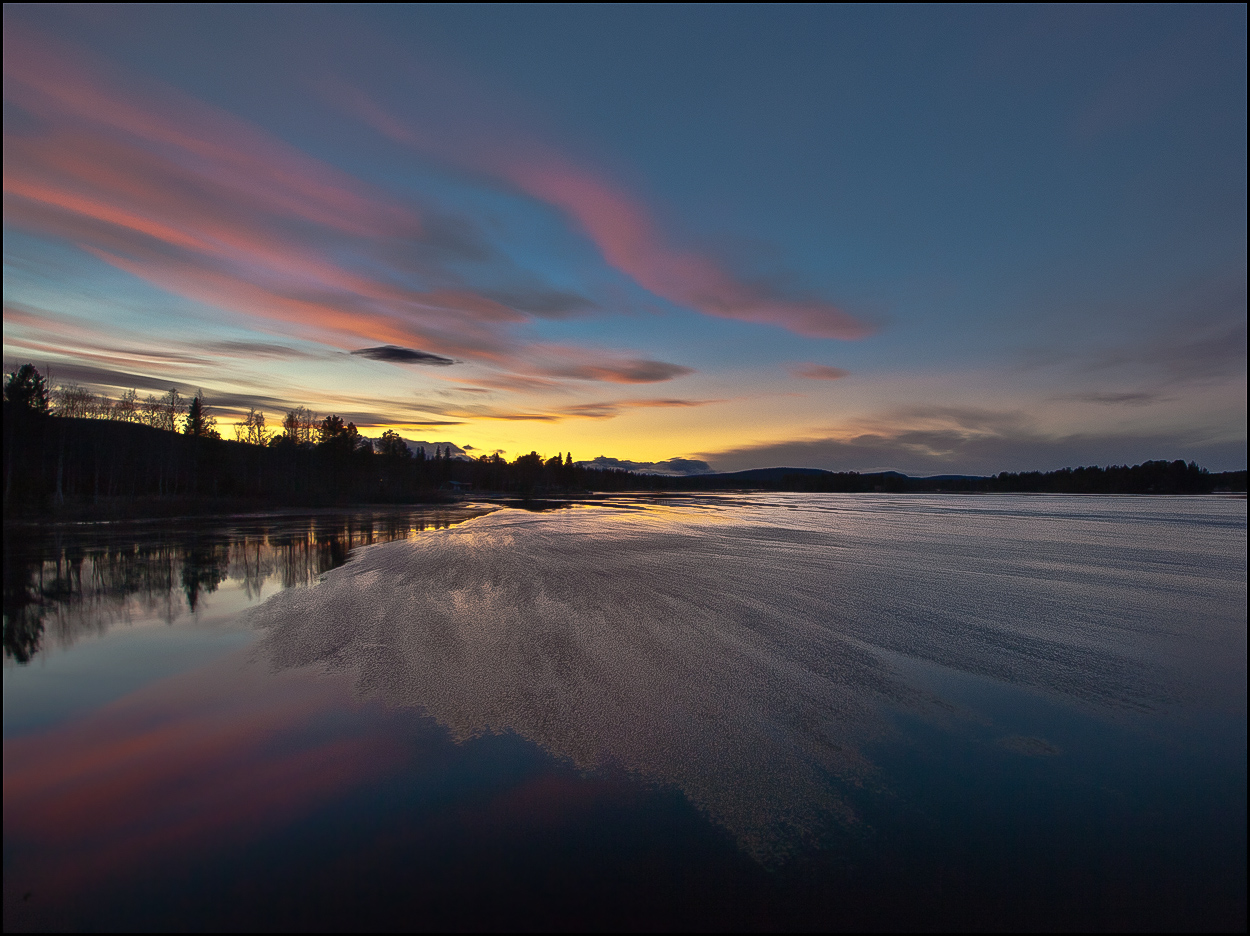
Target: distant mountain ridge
[[673, 467], [764, 474]]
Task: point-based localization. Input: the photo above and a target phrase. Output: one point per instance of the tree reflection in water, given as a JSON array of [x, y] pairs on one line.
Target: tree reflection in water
[[64, 584]]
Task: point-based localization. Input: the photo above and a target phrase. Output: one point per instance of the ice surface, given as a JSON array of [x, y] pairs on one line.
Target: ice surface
[[739, 647]]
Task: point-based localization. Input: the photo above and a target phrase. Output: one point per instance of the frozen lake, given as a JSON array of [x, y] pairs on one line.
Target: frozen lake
[[761, 711]]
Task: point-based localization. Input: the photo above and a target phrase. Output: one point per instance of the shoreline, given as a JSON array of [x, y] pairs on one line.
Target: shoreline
[[175, 509]]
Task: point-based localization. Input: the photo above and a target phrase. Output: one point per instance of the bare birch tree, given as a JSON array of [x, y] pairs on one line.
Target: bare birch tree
[[300, 426], [126, 408], [74, 402], [252, 429]]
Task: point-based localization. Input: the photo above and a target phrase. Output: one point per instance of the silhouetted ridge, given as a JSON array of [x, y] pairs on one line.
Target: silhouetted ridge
[[763, 474], [1152, 477]]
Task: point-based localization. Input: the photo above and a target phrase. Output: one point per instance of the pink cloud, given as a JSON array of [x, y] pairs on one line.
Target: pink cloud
[[620, 226], [206, 206], [55, 81], [631, 242]]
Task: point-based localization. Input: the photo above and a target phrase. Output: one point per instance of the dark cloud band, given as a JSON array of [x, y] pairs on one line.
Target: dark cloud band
[[397, 355]]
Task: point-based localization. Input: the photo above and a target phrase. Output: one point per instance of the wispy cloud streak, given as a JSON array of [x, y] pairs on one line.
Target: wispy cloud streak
[[603, 409], [622, 228], [631, 241], [818, 372], [202, 204]]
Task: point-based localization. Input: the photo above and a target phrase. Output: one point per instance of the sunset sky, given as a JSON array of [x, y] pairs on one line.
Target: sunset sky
[[930, 239]]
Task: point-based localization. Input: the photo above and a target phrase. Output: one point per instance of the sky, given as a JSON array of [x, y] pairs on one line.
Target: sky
[[930, 239]]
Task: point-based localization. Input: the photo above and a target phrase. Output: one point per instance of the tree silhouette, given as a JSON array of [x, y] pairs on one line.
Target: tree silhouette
[[172, 407], [74, 401], [252, 430], [331, 430], [150, 413], [198, 422], [392, 446], [333, 436], [300, 425], [25, 388], [126, 407]]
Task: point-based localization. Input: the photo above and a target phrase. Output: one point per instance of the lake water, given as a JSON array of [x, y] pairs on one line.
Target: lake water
[[817, 711]]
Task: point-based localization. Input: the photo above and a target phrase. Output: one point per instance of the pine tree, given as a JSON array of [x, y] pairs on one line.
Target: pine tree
[[198, 422], [27, 389]]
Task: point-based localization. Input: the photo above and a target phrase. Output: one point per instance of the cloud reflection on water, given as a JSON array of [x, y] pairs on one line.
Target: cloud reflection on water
[[740, 652], [215, 756]]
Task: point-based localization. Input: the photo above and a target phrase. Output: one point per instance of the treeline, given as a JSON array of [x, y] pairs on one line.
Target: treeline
[[51, 461], [70, 447], [1152, 477]]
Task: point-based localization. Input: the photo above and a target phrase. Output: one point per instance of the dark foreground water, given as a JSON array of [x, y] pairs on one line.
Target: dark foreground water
[[726, 711]]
